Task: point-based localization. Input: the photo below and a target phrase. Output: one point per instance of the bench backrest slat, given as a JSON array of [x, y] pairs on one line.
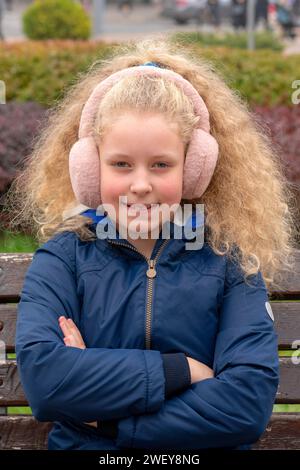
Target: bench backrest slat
[[14, 265], [286, 314], [12, 393]]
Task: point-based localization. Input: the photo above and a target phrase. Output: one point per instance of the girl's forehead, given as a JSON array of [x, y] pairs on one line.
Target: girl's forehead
[[136, 114], [134, 119]]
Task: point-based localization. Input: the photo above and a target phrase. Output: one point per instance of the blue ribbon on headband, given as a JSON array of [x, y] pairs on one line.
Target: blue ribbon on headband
[[154, 64]]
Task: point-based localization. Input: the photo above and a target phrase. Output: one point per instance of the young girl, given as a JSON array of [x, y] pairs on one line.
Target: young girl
[[140, 342]]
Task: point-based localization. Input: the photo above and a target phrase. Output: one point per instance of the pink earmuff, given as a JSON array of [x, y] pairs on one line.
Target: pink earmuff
[[84, 160]]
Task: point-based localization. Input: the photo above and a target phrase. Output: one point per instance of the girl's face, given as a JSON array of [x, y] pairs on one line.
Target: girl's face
[[142, 158]]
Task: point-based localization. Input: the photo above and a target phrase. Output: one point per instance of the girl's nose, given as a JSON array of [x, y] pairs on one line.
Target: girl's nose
[[140, 187], [141, 184]]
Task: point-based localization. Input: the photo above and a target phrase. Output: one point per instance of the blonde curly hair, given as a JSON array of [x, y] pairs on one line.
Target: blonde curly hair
[[248, 203]]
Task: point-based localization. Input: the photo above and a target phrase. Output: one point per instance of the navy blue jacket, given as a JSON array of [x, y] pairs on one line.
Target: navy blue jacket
[[133, 377]]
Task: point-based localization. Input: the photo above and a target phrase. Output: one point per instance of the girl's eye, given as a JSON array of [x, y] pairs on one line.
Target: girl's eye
[[161, 163], [117, 164]]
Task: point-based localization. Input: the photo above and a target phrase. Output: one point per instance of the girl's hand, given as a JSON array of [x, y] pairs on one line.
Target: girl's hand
[[71, 332], [199, 371], [73, 338]]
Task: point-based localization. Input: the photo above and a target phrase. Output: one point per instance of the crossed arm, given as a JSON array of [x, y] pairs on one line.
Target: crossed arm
[[223, 411], [72, 337]]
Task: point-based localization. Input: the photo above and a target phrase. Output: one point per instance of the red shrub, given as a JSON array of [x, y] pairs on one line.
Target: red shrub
[[284, 124], [19, 123]]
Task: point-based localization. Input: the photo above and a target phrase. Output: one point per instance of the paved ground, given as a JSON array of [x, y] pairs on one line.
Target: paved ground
[[141, 21], [117, 26]]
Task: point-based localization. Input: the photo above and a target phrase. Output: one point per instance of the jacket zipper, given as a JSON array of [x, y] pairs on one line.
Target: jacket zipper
[[151, 274]]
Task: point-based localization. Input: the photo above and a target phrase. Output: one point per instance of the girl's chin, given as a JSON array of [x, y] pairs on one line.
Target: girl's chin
[[139, 227]]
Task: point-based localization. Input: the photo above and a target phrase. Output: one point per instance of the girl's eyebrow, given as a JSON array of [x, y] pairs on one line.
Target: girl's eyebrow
[[123, 155]]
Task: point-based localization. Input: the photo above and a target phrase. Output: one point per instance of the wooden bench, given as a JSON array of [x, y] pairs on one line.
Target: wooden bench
[[25, 432]]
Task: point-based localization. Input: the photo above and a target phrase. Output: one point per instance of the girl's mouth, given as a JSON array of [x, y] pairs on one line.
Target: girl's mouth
[[142, 207]]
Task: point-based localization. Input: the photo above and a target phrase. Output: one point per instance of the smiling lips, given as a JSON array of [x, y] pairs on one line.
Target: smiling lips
[[141, 207]]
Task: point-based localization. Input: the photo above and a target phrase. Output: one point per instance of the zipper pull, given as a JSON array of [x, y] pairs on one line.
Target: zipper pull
[[151, 272]]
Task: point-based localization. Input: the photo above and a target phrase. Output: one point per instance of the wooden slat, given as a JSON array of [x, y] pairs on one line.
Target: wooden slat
[[13, 267], [23, 433], [283, 432], [287, 323], [286, 314], [8, 317], [12, 394], [20, 432], [289, 382], [11, 390]]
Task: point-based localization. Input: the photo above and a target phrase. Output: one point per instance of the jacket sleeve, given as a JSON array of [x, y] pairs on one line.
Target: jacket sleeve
[[233, 407], [177, 378], [89, 384]]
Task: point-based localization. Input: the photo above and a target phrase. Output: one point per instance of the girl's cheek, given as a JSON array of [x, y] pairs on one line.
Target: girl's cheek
[[171, 191], [107, 194], [115, 188]]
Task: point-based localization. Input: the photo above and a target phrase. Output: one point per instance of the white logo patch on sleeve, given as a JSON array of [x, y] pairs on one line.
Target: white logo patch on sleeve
[[269, 310]]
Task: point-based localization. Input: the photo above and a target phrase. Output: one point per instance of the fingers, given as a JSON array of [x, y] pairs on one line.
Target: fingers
[[75, 331], [69, 341], [92, 423], [69, 328], [71, 332], [64, 326]]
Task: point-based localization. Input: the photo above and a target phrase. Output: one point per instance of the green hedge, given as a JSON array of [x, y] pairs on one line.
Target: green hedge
[[17, 243], [41, 70], [60, 19], [239, 40]]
